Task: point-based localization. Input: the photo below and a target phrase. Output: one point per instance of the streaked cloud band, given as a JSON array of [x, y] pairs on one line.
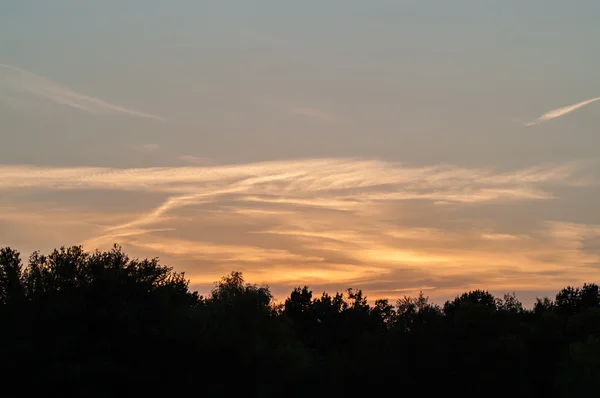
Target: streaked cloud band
[[384, 226], [17, 80], [556, 113]]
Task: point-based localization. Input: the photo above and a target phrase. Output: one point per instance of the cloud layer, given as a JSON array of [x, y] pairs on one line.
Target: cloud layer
[[18, 81], [383, 226]]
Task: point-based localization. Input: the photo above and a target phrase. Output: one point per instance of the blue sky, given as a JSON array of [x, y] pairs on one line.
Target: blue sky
[[432, 97]]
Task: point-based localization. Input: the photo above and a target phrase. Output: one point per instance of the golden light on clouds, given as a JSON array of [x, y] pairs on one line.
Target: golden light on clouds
[[380, 226]]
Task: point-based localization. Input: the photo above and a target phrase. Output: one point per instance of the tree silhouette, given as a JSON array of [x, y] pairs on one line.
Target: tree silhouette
[[103, 324]]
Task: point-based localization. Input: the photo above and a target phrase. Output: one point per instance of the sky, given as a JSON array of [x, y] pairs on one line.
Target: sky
[[389, 145]]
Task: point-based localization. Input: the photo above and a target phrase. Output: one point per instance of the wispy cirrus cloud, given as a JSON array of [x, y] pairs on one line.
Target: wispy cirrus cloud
[[311, 110], [335, 184], [352, 180], [14, 80], [556, 113], [195, 159], [331, 223], [147, 148]]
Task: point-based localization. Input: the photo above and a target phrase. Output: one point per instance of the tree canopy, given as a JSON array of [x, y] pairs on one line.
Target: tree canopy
[[103, 324]]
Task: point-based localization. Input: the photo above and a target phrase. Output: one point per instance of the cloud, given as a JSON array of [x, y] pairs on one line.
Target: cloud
[[334, 184], [350, 181], [319, 112], [195, 159], [16, 80], [556, 113], [147, 148], [331, 223]]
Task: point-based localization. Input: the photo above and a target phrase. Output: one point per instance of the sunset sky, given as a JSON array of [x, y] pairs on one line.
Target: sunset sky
[[393, 146]]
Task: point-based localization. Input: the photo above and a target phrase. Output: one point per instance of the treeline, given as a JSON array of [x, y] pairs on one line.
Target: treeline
[[102, 324]]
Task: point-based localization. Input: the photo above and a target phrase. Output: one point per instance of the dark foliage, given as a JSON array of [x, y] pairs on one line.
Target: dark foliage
[[103, 325]]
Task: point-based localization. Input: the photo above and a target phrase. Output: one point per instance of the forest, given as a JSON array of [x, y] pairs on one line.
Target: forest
[[102, 324]]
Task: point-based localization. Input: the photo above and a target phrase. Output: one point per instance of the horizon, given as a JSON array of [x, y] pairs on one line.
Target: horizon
[[388, 147]]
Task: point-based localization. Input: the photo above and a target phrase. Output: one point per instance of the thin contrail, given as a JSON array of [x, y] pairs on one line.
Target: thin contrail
[[560, 112], [40, 86]]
